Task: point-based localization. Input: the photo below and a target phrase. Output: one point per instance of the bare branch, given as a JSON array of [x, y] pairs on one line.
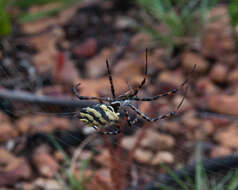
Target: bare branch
[[41, 100]]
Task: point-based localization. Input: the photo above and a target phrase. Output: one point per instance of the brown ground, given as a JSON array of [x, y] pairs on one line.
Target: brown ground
[[51, 55]]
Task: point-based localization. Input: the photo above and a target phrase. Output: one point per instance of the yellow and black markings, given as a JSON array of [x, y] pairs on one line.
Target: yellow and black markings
[[99, 115]]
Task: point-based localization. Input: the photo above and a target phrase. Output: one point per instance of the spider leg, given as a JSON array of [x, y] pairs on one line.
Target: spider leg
[[159, 117], [109, 131], [106, 131], [129, 121], [144, 79], [130, 89], [127, 94], [75, 91], [173, 91], [110, 80]]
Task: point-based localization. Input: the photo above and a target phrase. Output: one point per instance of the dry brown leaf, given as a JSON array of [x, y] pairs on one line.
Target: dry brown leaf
[[217, 40], [103, 158], [228, 137], [204, 86], [12, 169], [47, 184], [46, 56], [143, 156], [219, 73], [163, 157], [223, 104], [219, 151], [189, 59], [173, 78], [86, 49], [131, 70], [233, 76], [101, 180], [157, 141], [101, 86], [39, 123], [44, 162], [96, 67]]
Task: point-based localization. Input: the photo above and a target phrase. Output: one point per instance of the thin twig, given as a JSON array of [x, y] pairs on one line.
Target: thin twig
[[122, 174], [26, 97], [112, 164]]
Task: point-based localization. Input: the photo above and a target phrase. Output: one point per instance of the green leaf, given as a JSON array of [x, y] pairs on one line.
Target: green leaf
[[198, 172], [42, 14], [5, 23], [163, 187], [28, 3], [233, 12], [234, 182], [176, 178], [36, 16], [178, 16]]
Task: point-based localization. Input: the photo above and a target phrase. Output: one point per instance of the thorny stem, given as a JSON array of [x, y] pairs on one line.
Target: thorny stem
[[118, 177], [120, 156], [113, 174]]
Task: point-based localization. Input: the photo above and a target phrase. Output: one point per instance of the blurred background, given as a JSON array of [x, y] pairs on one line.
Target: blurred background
[[48, 46]]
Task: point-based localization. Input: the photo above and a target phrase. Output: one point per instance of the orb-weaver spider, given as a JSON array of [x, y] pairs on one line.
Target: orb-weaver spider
[[104, 116]]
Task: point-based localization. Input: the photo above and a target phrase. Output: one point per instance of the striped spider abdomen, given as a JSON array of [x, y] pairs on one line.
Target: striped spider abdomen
[[98, 116]]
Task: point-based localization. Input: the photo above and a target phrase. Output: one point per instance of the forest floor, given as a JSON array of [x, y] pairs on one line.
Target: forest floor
[[49, 56]]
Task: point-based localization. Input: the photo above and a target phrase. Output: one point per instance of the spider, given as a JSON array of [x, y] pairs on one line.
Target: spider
[[104, 117]]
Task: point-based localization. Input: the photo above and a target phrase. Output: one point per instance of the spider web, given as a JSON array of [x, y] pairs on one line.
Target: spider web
[[14, 76]]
